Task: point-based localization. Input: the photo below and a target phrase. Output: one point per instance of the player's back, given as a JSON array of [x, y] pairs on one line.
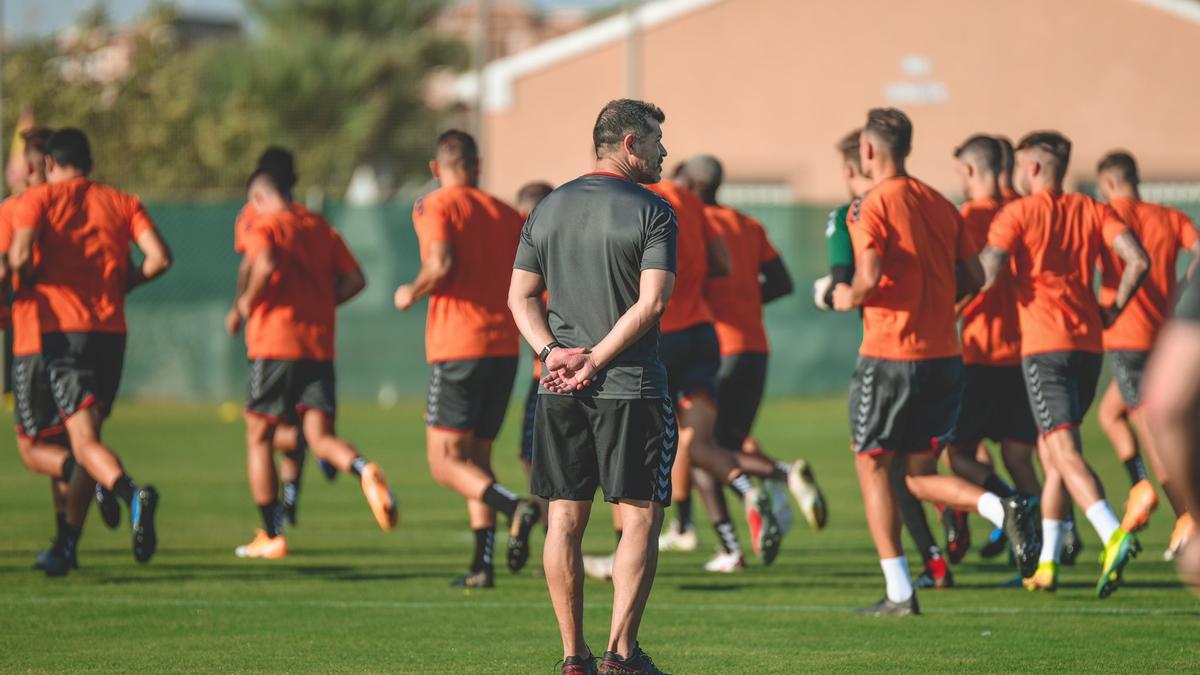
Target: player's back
[[920, 237], [736, 299], [688, 306], [1164, 232], [468, 313], [991, 331], [85, 230]]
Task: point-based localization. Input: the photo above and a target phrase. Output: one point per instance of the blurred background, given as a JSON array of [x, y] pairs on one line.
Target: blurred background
[[179, 98]]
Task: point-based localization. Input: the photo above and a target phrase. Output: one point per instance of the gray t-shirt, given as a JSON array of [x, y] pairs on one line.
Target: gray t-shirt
[[590, 240]]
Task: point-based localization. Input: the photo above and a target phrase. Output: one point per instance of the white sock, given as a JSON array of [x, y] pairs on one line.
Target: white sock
[[895, 573], [1101, 516], [990, 507], [1052, 536]]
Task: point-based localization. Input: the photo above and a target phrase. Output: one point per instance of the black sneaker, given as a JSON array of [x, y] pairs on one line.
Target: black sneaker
[[639, 663], [1021, 528], [997, 543], [523, 520], [61, 559], [937, 575], [110, 507], [141, 521], [579, 665], [886, 607], [328, 470], [39, 561], [481, 579], [958, 534], [1072, 546]]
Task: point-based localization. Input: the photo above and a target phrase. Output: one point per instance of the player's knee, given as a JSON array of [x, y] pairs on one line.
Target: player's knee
[[25, 448]]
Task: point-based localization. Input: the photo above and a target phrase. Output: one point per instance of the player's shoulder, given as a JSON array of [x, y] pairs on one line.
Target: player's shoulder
[[436, 201]]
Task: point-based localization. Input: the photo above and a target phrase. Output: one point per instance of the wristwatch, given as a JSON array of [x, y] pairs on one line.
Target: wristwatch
[[554, 344]]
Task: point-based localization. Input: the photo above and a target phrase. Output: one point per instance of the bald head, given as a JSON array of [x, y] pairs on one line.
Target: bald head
[[704, 175]]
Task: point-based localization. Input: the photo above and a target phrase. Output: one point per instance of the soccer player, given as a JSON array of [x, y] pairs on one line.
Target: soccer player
[[994, 403], [468, 238], [758, 276], [287, 438], [911, 247], [1053, 240], [936, 572], [83, 231], [604, 248], [1171, 397], [1164, 232], [300, 272]]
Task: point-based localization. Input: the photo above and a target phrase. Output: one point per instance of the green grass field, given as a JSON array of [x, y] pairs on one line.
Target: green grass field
[[352, 598]]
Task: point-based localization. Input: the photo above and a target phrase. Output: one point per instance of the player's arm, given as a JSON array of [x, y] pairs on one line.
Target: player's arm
[[1129, 249], [720, 260], [867, 274], [1195, 264], [233, 318], [349, 285], [969, 277], [20, 254], [262, 266], [525, 302], [157, 259], [992, 260], [435, 268], [774, 280]]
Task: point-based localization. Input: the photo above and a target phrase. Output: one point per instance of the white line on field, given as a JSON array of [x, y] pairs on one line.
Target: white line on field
[[470, 604]]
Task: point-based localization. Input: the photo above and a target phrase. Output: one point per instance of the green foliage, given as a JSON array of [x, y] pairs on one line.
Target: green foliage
[[338, 81]]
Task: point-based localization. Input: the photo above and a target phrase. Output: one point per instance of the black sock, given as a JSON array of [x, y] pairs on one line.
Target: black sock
[[60, 523], [997, 486], [68, 468], [741, 485], [1136, 469], [684, 510], [358, 465], [618, 533], [500, 498], [727, 536], [485, 544], [272, 518], [68, 539], [912, 513], [124, 489]]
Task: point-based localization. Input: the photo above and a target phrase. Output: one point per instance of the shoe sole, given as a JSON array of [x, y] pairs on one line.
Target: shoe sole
[[810, 498], [518, 542], [145, 538], [769, 536], [382, 507], [1110, 579]]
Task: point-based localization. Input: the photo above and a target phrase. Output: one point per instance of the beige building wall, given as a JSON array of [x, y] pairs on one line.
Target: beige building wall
[[770, 85]]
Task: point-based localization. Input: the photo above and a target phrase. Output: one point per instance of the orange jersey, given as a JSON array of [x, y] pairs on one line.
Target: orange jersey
[[84, 231], [687, 307], [294, 317], [242, 224], [27, 335], [920, 237], [736, 299], [991, 330], [1054, 241], [1009, 195], [1164, 233], [468, 313]]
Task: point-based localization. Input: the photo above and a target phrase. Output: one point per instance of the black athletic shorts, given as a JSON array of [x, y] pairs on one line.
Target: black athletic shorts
[[33, 404], [905, 406], [84, 370], [1128, 368], [624, 446], [471, 396], [282, 391], [692, 357], [740, 384], [995, 406], [531, 399], [1061, 387]]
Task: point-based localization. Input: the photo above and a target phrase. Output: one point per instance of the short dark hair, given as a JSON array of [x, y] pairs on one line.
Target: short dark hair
[[35, 140], [70, 147], [1007, 161], [623, 116], [282, 165], [849, 146], [1121, 162], [984, 151], [1052, 143], [272, 177], [534, 191], [892, 128], [457, 146]]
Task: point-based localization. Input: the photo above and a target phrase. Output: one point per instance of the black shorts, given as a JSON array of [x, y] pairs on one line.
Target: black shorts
[[1128, 368], [624, 446], [1061, 387], [740, 384], [282, 391], [994, 406], [84, 370], [905, 406], [531, 399], [33, 405], [470, 396], [692, 357]]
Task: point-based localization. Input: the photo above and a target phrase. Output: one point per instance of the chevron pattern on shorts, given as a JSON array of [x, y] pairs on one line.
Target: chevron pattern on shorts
[[1040, 407], [666, 455]]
